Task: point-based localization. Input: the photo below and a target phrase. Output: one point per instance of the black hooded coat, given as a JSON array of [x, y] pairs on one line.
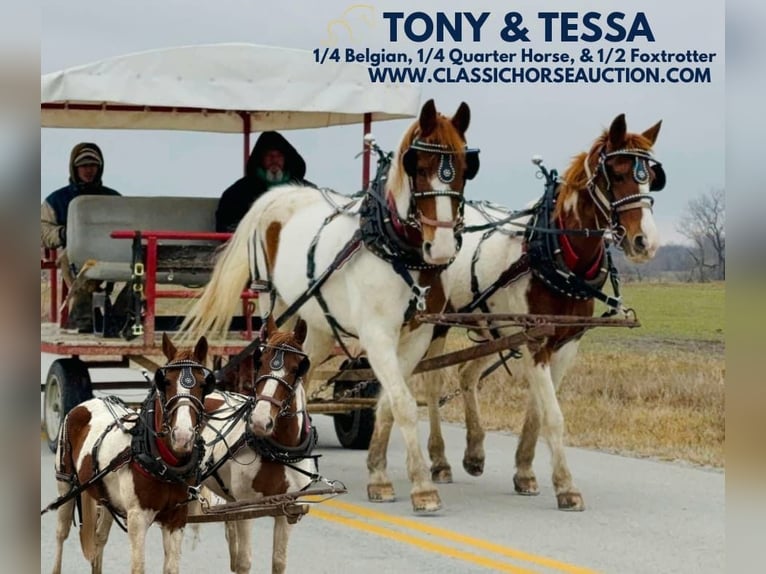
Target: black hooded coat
[[237, 199]]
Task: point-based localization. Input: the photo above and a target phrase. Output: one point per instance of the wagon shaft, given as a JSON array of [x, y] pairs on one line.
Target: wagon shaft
[[293, 512]]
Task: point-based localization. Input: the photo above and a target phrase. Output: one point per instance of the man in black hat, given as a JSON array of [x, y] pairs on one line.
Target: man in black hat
[[273, 162], [86, 166]]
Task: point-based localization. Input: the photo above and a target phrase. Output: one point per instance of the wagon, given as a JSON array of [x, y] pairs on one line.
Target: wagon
[[163, 245]]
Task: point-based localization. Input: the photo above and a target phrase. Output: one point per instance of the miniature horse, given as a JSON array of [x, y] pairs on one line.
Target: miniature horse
[[295, 231], [267, 454], [606, 188], [135, 449]]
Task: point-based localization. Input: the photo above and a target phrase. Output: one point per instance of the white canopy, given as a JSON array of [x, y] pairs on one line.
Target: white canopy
[[220, 88]]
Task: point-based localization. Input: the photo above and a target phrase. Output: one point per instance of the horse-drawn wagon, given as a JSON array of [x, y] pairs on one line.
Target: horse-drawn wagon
[[163, 246], [370, 263]]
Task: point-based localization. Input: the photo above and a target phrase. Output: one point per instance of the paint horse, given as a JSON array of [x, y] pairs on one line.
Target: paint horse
[[549, 260], [140, 466], [262, 450], [374, 277]]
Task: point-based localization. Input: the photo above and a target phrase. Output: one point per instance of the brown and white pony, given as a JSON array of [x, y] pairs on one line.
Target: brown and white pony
[[606, 188], [292, 229], [96, 435], [254, 459]]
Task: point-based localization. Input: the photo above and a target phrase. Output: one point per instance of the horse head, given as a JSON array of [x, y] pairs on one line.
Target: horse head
[[618, 173], [182, 385], [279, 394], [427, 180]]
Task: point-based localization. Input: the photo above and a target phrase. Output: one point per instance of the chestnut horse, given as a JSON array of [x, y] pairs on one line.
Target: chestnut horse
[[373, 289], [604, 191], [143, 465], [266, 452]]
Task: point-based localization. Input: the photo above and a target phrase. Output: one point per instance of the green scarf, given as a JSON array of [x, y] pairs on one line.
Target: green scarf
[[261, 174]]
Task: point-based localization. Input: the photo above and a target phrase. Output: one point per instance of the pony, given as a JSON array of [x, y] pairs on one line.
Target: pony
[[378, 265], [137, 467], [262, 449], [502, 268]]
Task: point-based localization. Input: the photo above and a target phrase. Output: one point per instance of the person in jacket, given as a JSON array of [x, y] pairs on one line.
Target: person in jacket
[[274, 161], [86, 168]]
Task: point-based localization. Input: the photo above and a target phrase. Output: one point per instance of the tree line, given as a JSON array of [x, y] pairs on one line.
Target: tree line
[[703, 259]]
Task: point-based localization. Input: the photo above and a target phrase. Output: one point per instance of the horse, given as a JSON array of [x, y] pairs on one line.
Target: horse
[[604, 191], [262, 450], [382, 263], [135, 467]]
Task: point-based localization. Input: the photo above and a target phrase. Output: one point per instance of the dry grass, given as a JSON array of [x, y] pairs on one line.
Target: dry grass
[[650, 391]]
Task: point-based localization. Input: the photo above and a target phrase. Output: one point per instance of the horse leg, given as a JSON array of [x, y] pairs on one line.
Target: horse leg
[[524, 480], [569, 496], [282, 531], [380, 488], [139, 521], [241, 552], [542, 386], [230, 532], [172, 539], [392, 360], [441, 472], [64, 516], [474, 456], [103, 526]]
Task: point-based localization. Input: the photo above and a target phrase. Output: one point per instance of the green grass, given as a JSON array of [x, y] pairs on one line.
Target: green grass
[[683, 311]]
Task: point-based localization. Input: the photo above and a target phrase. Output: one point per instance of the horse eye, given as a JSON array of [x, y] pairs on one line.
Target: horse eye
[[422, 172]]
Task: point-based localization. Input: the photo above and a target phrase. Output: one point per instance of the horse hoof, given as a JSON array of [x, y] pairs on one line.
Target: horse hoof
[[525, 485], [426, 501], [571, 501], [381, 492], [474, 466], [442, 475]]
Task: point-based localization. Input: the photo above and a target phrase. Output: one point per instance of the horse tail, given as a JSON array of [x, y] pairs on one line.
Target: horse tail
[[212, 312], [88, 527]]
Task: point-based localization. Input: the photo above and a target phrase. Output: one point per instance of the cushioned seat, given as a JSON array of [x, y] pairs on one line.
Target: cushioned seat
[[91, 219]]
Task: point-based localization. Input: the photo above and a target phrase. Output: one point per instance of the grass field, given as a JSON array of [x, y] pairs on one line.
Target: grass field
[[657, 390]]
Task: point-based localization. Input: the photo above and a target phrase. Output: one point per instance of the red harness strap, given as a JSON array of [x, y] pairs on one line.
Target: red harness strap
[[571, 258]]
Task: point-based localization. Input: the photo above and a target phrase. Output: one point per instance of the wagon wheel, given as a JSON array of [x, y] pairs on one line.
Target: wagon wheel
[[354, 429], [67, 385]]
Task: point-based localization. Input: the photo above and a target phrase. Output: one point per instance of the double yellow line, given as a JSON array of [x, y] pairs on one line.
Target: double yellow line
[[360, 519]]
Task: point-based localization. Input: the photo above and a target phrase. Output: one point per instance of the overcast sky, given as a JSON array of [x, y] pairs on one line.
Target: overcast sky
[[510, 122]]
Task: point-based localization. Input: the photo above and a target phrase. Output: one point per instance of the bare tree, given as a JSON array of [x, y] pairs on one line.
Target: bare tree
[[703, 224]]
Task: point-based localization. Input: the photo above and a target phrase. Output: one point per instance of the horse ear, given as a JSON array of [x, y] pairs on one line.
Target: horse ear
[[427, 119], [300, 331], [462, 118], [652, 132], [200, 350], [168, 348], [617, 131]]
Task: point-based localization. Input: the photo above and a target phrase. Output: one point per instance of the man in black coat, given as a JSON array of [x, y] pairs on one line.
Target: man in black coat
[[273, 162]]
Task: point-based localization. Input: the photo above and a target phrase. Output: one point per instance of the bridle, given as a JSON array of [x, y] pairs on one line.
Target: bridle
[[446, 173], [277, 363], [643, 162], [187, 380]]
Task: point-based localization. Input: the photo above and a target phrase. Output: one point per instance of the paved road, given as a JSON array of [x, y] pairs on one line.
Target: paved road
[[643, 516]]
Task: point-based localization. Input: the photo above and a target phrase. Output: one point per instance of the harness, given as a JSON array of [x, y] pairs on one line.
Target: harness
[[547, 252], [266, 447], [146, 454], [385, 234]]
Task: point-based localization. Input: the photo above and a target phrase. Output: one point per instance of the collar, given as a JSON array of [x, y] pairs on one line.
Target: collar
[[571, 258]]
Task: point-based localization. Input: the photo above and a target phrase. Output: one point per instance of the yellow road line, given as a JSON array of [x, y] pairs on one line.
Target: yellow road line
[[422, 543], [455, 537]]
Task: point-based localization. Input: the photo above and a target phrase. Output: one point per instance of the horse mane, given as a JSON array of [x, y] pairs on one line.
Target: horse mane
[[575, 178], [444, 133], [284, 338]]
